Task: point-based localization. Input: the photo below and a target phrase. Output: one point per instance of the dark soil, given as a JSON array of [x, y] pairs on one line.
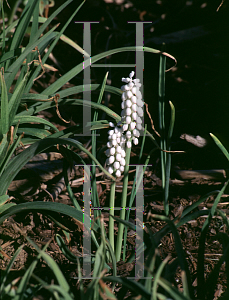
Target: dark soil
[[197, 36]]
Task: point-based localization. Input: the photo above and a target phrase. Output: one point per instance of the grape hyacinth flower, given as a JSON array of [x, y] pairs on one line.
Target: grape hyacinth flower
[[116, 150], [120, 137], [132, 108]]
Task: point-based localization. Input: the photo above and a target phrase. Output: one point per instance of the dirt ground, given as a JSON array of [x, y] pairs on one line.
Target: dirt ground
[[197, 36]]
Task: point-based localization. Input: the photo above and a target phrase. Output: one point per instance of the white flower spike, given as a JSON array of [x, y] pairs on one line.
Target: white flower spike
[[120, 137]]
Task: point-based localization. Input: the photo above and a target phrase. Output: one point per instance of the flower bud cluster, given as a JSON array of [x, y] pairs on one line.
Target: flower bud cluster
[[132, 108], [119, 138], [116, 151]]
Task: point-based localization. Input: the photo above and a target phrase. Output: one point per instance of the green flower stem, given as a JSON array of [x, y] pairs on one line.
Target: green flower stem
[[123, 206], [133, 192], [111, 220]]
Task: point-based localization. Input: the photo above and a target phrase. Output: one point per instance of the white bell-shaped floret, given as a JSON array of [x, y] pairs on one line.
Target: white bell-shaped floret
[[140, 112], [118, 149], [140, 103], [123, 162], [132, 125], [111, 159], [126, 79], [111, 124], [135, 141], [129, 94], [130, 84], [136, 133], [128, 134], [136, 80], [121, 168], [134, 99], [128, 120], [110, 170], [112, 151], [123, 153], [109, 144], [131, 74], [118, 173], [128, 111], [134, 107], [118, 157], [125, 127], [114, 142], [134, 90], [124, 96], [139, 120], [139, 94], [128, 103], [134, 115], [118, 134], [128, 144], [114, 136], [139, 126], [116, 165], [111, 132]]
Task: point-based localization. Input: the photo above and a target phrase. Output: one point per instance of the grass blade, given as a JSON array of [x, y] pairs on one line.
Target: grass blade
[[157, 277], [33, 119], [4, 122], [161, 107], [5, 274], [35, 74], [201, 287], [19, 161], [52, 89], [22, 25], [53, 265], [220, 145]]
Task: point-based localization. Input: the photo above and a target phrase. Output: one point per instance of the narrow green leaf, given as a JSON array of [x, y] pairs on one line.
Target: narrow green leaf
[[23, 24], [46, 208], [19, 161], [30, 83], [174, 293], [5, 274], [16, 99], [4, 122], [21, 289], [3, 149], [157, 277], [161, 108], [10, 55], [123, 206], [9, 154], [5, 207], [180, 253], [33, 119], [70, 42], [95, 197], [53, 266], [3, 199], [42, 43], [201, 287], [65, 250], [220, 145], [53, 88], [131, 285], [37, 132]]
